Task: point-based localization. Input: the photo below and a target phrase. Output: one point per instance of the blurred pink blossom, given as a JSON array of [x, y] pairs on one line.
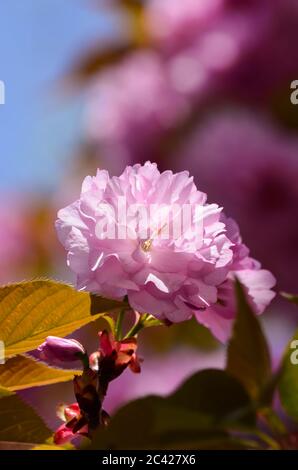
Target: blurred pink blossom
[[205, 51], [15, 242], [251, 167], [133, 103], [175, 23], [246, 38], [161, 375]]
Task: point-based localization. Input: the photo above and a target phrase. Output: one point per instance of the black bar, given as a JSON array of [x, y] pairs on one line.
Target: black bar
[[148, 458]]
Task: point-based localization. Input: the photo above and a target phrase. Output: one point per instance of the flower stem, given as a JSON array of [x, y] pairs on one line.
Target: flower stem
[[85, 360], [137, 327], [118, 326]]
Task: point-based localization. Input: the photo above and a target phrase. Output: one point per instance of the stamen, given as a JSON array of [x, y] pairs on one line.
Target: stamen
[[146, 245]]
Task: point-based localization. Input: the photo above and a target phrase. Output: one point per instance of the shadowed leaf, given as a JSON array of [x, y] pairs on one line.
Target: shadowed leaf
[[288, 382], [216, 394], [248, 353], [6, 445], [194, 416], [19, 423]]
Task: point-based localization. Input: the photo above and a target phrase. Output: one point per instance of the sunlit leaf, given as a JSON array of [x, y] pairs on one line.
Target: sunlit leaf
[[19, 423], [149, 321], [288, 383], [111, 322], [248, 353], [22, 372], [9, 445], [4, 392], [30, 311], [51, 447]]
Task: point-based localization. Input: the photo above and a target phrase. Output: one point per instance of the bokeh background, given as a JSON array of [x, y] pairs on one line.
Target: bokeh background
[[202, 85]]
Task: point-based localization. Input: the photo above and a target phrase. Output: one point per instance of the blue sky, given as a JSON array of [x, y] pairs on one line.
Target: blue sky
[[38, 40]]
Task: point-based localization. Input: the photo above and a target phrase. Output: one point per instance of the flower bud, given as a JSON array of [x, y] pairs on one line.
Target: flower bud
[[68, 412], [114, 356], [94, 360], [55, 350]]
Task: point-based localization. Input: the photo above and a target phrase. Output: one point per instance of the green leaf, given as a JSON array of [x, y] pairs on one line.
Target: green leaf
[[9, 445], [215, 393], [150, 320], [30, 311], [22, 372], [49, 445], [19, 423], [195, 415], [111, 322], [138, 417], [288, 382], [248, 353], [139, 425]]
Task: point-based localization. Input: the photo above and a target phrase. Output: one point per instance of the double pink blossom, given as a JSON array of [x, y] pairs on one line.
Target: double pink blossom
[[170, 278]]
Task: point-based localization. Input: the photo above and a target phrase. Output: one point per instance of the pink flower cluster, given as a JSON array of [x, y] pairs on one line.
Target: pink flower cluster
[[170, 278]]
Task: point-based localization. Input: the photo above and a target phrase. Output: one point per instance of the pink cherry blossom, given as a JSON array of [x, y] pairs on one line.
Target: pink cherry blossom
[[256, 281], [169, 277]]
